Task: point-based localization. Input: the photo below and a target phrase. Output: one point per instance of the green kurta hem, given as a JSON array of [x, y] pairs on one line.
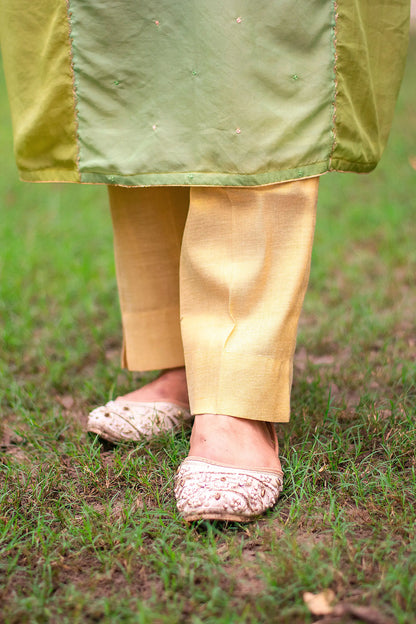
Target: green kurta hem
[[201, 93], [199, 178]]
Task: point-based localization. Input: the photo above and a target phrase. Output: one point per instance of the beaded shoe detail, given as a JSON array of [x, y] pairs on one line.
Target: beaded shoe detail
[[130, 421], [211, 491]]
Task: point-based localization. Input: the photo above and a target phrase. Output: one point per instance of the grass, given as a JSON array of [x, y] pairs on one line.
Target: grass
[[90, 533]]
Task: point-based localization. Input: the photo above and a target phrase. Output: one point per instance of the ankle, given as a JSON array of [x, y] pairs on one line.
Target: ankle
[[169, 386], [234, 441]]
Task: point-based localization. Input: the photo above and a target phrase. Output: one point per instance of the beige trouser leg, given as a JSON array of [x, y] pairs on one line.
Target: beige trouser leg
[[148, 226], [244, 271]]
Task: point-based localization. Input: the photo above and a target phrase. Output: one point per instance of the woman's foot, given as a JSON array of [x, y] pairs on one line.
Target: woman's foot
[[160, 406], [234, 441], [169, 386], [232, 472]]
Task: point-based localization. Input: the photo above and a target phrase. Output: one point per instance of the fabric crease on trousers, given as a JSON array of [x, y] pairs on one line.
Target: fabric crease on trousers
[[214, 278]]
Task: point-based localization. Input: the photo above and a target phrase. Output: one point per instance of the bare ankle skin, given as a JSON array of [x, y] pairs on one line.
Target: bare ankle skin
[[170, 386], [234, 441]]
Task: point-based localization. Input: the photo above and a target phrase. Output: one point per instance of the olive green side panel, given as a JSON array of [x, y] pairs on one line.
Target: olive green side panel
[[35, 47], [372, 39], [203, 91]]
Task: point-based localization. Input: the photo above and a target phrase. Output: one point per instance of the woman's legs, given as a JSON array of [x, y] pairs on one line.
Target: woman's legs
[[148, 227], [244, 272]]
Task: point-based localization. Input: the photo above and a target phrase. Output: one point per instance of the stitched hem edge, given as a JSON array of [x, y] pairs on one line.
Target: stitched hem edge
[[71, 58]]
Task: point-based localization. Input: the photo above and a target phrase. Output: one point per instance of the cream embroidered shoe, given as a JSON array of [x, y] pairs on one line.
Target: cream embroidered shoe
[[130, 421], [206, 489], [212, 491]]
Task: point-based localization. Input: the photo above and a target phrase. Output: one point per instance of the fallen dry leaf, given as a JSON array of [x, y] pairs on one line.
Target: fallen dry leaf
[[320, 604], [67, 401]]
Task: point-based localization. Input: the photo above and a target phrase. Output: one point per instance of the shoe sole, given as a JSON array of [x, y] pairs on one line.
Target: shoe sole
[[115, 440], [107, 436], [220, 516]]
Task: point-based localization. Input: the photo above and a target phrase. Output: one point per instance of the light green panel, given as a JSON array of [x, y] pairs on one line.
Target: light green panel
[[203, 92], [36, 55], [372, 38]]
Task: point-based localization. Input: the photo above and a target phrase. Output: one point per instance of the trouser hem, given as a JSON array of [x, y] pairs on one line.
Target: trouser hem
[[152, 340], [252, 387]]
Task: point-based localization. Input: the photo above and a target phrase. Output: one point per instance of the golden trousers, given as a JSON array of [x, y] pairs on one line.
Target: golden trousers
[[214, 278]]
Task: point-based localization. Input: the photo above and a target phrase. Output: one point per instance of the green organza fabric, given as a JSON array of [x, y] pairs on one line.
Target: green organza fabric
[[201, 92]]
